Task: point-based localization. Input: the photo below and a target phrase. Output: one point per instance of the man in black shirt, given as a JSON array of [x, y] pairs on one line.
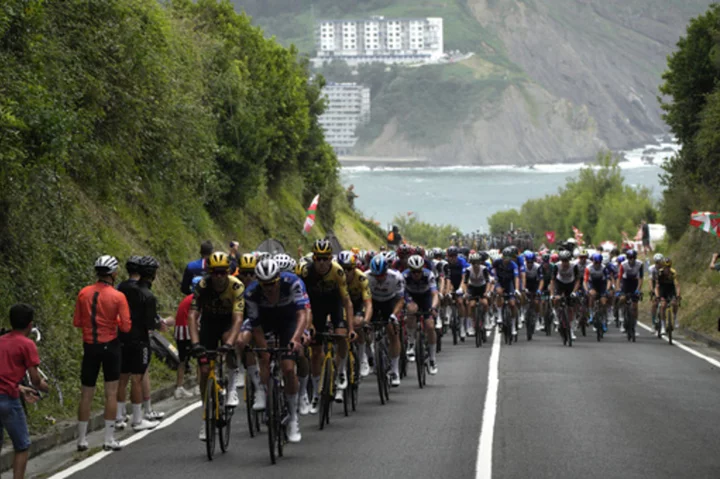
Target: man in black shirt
[[136, 343]]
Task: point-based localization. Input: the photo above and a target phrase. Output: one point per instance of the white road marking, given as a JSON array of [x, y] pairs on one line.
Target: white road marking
[[680, 345], [84, 464], [483, 466]]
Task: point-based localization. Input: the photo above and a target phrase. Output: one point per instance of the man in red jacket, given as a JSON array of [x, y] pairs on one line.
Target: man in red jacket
[[100, 311], [18, 355]]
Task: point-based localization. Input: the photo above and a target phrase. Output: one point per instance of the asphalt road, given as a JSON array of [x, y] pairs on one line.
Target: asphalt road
[[611, 410]]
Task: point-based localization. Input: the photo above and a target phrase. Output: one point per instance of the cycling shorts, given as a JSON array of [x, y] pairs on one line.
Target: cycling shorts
[[423, 300], [507, 286], [183, 347], [334, 309], [600, 287], [282, 328], [135, 358], [668, 292], [629, 286], [564, 289], [100, 355], [476, 291], [211, 333], [383, 309], [532, 285]]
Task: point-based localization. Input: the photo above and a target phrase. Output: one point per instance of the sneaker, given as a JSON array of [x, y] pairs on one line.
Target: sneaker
[[120, 425], [112, 446], [154, 415], [304, 405], [293, 430], [82, 446], [364, 368], [315, 405], [339, 395], [182, 393], [341, 381], [411, 353], [471, 331], [438, 323], [144, 425], [196, 391], [202, 435], [232, 399], [259, 400], [433, 368], [394, 380]]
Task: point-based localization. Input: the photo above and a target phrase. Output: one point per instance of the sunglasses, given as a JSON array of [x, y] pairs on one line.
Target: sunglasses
[[219, 272], [269, 284], [323, 258], [247, 273]]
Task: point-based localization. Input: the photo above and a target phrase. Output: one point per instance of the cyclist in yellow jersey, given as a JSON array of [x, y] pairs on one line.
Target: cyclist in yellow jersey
[[327, 289], [667, 288], [359, 291], [219, 299]]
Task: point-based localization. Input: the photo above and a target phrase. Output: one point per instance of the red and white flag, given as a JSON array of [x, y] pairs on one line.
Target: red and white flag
[[550, 235], [310, 220], [578, 236]]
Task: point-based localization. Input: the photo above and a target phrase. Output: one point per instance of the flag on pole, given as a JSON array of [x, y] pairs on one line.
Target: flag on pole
[[707, 221], [578, 236], [550, 235], [310, 219]]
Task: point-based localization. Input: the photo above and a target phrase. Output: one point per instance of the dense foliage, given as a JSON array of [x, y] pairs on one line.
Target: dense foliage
[[597, 202], [419, 232], [693, 113], [137, 126]]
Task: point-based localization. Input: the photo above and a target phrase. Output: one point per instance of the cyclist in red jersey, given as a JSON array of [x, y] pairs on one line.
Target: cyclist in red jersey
[[100, 311]]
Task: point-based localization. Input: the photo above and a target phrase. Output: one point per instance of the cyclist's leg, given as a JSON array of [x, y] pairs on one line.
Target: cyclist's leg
[[340, 325], [411, 322], [513, 313]]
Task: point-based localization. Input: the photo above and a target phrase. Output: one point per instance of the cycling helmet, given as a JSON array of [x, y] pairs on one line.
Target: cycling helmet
[[597, 258], [248, 261], [195, 281], [355, 251], [219, 260], [322, 247], [606, 258], [465, 251], [133, 264], [106, 265], [565, 255], [420, 251], [631, 254], [416, 263], [483, 256], [621, 259], [452, 251], [148, 266], [378, 265], [554, 258], [576, 253], [507, 252], [301, 268], [529, 256], [283, 261], [667, 262], [582, 252], [346, 259], [403, 250], [267, 270], [475, 258], [527, 252], [546, 257], [261, 255], [658, 258], [571, 240]]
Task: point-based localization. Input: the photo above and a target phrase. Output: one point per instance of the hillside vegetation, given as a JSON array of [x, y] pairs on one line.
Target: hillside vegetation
[[550, 81], [139, 127]]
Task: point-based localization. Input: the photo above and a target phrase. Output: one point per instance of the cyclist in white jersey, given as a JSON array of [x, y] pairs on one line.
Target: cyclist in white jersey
[[387, 288], [630, 280], [475, 281]]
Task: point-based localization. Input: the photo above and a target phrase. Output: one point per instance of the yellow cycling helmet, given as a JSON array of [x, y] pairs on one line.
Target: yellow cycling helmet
[[248, 261], [322, 247], [356, 251], [301, 268], [219, 260]]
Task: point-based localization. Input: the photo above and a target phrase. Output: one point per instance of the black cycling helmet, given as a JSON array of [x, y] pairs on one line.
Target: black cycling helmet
[[483, 256], [565, 255], [133, 264], [631, 254], [148, 267], [452, 251]]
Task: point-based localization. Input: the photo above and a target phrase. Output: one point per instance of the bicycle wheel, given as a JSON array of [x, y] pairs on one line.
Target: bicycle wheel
[[568, 328], [272, 419], [380, 372], [669, 330], [249, 397], [548, 320], [326, 398], [455, 326], [530, 323], [354, 375], [420, 357], [599, 320], [283, 414], [210, 418], [226, 414], [403, 354], [478, 327], [583, 324], [386, 376]]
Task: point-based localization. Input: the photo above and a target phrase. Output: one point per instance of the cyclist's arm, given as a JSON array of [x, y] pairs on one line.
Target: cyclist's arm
[[435, 300], [36, 380], [301, 316], [399, 306], [368, 310], [677, 286], [193, 326]]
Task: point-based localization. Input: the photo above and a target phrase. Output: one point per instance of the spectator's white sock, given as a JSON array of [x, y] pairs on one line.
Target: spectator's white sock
[[137, 414], [109, 431], [254, 373], [120, 416], [82, 431]]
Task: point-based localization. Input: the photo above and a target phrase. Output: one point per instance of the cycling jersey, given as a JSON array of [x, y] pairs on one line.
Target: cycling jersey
[[100, 310], [533, 275], [399, 265], [546, 274], [424, 284], [629, 271], [143, 311], [455, 271], [359, 290], [565, 275], [505, 273], [440, 268], [666, 276], [391, 288], [597, 278], [653, 272], [279, 318], [476, 278], [326, 287], [219, 306]]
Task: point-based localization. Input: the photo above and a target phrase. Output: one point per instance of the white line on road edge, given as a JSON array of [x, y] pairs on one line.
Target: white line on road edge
[[135, 437], [683, 347], [483, 466]]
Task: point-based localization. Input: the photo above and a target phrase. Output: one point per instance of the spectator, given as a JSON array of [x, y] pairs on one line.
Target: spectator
[[394, 238], [714, 265], [351, 195], [100, 310], [645, 237], [182, 339], [18, 355], [234, 257], [197, 267]]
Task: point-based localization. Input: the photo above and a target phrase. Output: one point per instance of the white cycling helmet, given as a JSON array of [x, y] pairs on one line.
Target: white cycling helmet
[[106, 264], [283, 261], [415, 262], [267, 270], [658, 258]]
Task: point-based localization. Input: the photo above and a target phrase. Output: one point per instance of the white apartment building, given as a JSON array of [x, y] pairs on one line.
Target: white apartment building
[[347, 107], [379, 39]]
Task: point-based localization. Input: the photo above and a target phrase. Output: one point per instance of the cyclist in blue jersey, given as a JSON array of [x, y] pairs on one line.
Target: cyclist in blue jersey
[[277, 303], [598, 278], [507, 282], [519, 259], [455, 269], [421, 294]]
